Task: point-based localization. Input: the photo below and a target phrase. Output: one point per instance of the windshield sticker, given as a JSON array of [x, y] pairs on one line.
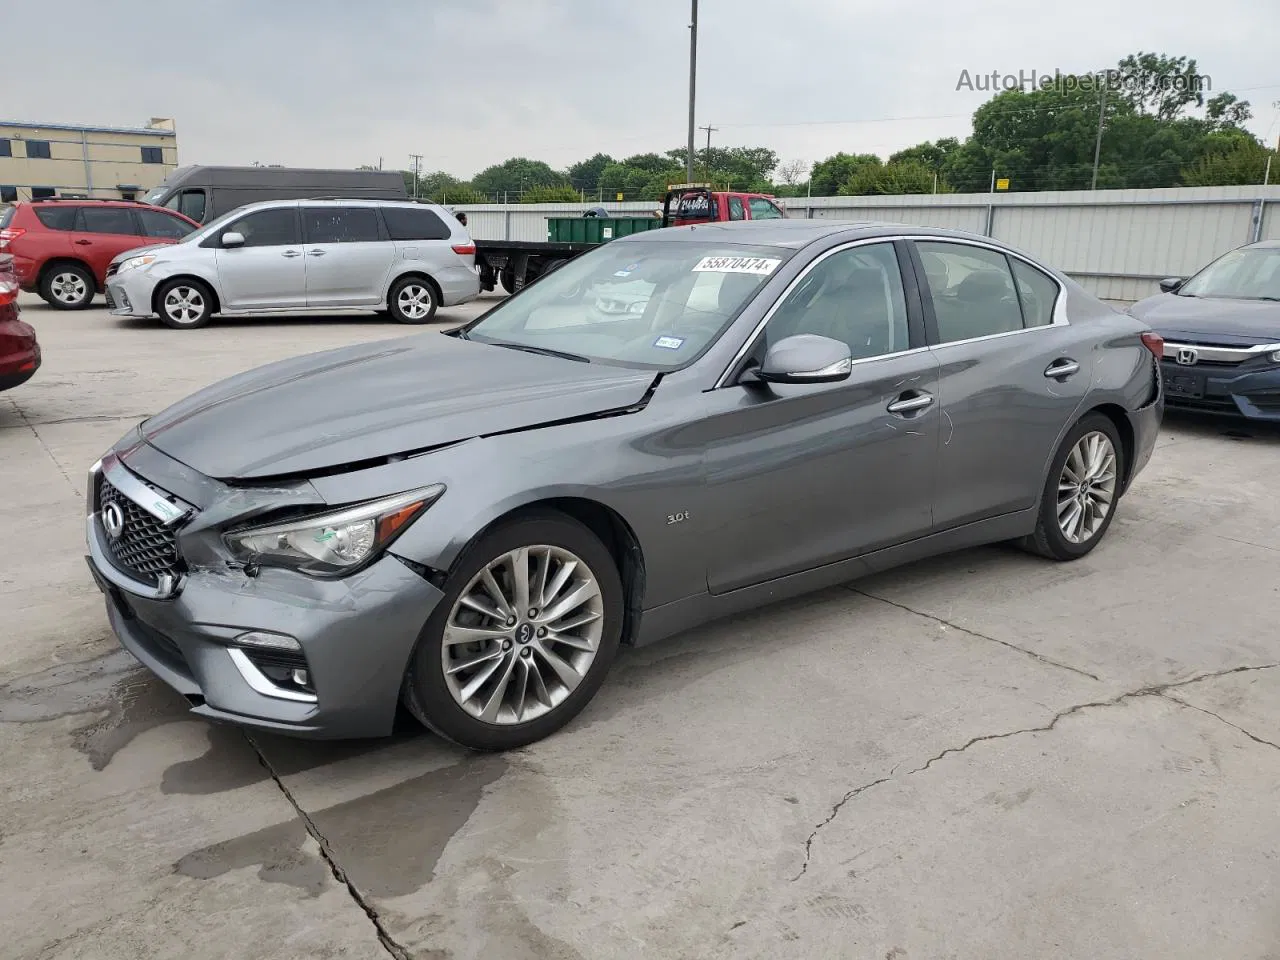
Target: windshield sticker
[[627, 270], [759, 266], [669, 343]]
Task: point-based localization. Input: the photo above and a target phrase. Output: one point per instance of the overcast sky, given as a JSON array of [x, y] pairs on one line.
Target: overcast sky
[[467, 83]]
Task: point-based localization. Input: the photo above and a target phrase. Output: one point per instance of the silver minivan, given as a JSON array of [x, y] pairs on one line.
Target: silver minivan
[[289, 256]]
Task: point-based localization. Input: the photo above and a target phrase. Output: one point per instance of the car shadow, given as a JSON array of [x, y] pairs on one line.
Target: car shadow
[[1212, 426]]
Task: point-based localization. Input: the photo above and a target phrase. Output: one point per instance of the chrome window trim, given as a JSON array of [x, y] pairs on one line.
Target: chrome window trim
[[1219, 354], [259, 683], [1059, 306]]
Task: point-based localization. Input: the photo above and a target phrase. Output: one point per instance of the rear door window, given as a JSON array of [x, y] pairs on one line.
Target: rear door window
[[340, 224], [163, 225], [408, 223], [57, 217], [117, 220]]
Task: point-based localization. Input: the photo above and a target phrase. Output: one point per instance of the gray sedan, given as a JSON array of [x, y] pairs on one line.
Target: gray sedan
[[470, 524]]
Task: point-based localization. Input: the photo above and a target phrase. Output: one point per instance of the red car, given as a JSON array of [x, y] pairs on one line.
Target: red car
[[61, 248], [19, 352]]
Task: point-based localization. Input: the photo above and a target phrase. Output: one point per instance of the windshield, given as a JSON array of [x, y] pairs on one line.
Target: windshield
[[655, 304], [1250, 273], [154, 196]]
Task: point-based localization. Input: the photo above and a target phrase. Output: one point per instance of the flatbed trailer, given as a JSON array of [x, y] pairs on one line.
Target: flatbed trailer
[[515, 263]]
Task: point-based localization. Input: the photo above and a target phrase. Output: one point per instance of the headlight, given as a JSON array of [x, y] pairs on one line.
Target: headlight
[[1275, 357], [134, 262], [333, 543]]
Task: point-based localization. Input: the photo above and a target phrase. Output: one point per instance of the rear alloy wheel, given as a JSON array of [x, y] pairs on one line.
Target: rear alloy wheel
[[68, 287], [522, 639], [1083, 489], [412, 300], [184, 304]]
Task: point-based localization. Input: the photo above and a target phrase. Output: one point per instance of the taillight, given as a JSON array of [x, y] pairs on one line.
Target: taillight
[[1155, 343], [9, 234], [465, 249], [8, 293]]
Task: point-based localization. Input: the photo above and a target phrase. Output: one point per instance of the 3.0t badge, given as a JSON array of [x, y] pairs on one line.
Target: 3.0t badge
[[113, 520]]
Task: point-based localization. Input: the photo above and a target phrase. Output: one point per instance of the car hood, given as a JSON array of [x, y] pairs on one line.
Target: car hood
[[1238, 321], [364, 403], [139, 251]]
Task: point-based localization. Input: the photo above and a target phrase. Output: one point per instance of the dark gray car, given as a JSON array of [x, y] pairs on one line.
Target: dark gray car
[[471, 523]]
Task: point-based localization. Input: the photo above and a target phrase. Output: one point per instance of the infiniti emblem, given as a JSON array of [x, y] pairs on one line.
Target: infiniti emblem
[[113, 520], [1187, 356], [524, 633]]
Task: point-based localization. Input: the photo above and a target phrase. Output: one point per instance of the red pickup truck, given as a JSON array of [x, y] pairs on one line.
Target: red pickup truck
[[513, 263]]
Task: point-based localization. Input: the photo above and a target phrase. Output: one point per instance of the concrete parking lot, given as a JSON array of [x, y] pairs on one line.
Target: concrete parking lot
[[984, 755]]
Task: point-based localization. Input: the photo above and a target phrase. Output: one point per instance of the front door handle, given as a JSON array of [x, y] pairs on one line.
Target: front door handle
[[84, 243], [291, 253], [910, 403], [1061, 369], [315, 253]]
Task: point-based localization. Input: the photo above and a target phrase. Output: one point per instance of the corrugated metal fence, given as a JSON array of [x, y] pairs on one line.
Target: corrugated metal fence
[[1116, 243]]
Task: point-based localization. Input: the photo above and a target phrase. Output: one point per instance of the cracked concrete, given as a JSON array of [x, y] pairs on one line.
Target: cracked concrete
[[980, 755]]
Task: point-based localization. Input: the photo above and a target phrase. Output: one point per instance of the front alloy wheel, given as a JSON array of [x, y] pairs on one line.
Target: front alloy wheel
[[528, 625], [523, 634], [184, 305]]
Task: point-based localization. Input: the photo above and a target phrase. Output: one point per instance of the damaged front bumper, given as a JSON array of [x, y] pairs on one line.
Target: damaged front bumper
[[274, 649]]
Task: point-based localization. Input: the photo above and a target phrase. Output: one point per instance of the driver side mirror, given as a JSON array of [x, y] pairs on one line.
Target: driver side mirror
[[1171, 284], [805, 358], [232, 239]]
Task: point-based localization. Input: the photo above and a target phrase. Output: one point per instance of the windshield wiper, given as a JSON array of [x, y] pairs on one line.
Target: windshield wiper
[[544, 351]]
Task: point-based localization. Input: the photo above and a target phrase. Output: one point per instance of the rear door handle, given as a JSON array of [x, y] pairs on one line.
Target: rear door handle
[[291, 253], [1061, 369], [315, 253], [84, 243], [911, 403]]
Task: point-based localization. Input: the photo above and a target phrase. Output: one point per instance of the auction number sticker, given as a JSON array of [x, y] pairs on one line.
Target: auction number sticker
[[759, 266]]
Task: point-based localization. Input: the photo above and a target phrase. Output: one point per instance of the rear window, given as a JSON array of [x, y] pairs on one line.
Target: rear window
[[6, 216], [56, 218], [406, 223]]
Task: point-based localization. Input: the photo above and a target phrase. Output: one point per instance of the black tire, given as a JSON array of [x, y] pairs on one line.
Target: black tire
[[426, 693], [192, 309], [1048, 540], [412, 300], [68, 286], [507, 277]]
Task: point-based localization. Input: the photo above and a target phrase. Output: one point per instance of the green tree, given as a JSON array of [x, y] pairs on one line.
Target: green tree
[[551, 195], [903, 176], [585, 175], [1244, 162], [515, 176], [828, 175], [932, 155], [1160, 85]]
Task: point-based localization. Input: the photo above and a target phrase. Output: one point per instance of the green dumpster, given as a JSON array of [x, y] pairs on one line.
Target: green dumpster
[[597, 229]]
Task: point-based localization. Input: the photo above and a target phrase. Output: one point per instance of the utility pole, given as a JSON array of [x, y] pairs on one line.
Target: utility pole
[[706, 163], [1097, 143], [693, 76], [417, 171]]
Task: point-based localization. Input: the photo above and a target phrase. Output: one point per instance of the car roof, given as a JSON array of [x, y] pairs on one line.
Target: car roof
[[1264, 245], [342, 202], [798, 233], [80, 201]]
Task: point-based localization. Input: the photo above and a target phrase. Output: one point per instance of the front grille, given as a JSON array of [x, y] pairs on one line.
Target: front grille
[[112, 270], [111, 303], [146, 548]]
